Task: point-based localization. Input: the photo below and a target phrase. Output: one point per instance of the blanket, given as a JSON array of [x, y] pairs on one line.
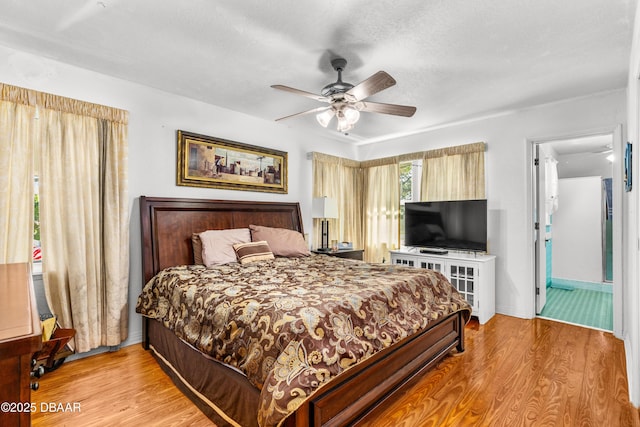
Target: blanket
[[292, 324]]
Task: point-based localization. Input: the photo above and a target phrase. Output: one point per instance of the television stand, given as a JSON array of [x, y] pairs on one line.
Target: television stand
[[472, 275], [434, 251]]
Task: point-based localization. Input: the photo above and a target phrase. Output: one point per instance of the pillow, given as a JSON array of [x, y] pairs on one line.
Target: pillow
[[252, 251], [217, 245], [282, 241], [196, 243]]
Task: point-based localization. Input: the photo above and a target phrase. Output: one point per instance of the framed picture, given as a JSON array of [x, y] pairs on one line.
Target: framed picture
[[628, 167], [205, 161]]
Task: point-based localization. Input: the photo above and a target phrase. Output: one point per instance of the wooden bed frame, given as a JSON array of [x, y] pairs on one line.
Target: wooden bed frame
[[354, 396]]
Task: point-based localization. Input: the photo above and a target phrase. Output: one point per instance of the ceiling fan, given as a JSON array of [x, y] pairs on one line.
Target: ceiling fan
[[346, 100]]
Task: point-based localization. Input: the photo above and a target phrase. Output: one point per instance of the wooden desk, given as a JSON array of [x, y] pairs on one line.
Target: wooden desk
[[20, 337]]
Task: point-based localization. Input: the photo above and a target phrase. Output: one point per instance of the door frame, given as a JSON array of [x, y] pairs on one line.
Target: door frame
[[539, 229], [617, 184]]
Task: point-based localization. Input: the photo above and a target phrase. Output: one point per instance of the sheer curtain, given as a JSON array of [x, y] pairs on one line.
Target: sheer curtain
[[453, 173], [82, 167], [16, 176], [381, 210], [341, 179]]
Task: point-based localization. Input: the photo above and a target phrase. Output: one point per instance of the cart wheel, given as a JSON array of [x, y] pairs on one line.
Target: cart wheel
[[56, 364]]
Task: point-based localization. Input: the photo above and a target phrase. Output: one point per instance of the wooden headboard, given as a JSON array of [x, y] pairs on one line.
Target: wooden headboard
[[167, 225]]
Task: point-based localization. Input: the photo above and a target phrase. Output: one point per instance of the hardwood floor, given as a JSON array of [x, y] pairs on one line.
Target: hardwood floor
[[123, 388], [514, 372], [518, 372]]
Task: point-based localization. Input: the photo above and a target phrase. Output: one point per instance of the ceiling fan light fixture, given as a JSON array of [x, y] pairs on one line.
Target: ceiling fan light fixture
[[343, 125], [347, 116], [325, 117], [351, 114], [346, 100]]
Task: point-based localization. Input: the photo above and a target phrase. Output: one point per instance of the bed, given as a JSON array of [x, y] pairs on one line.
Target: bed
[[352, 386]]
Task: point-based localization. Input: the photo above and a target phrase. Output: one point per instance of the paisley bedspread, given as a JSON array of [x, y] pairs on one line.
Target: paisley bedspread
[[292, 324]]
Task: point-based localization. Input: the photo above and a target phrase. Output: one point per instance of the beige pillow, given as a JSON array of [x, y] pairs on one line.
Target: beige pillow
[[196, 243], [253, 251], [282, 241], [217, 245]]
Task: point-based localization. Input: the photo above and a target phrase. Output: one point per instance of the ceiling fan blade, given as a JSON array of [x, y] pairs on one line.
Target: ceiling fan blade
[[315, 110], [302, 92], [374, 84], [396, 110]]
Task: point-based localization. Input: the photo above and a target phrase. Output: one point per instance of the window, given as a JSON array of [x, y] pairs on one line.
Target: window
[[410, 174], [37, 252]]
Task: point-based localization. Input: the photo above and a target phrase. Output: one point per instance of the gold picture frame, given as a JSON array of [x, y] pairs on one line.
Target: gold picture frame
[[205, 161]]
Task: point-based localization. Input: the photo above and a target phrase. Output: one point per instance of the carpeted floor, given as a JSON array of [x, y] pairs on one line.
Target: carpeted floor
[[580, 306]]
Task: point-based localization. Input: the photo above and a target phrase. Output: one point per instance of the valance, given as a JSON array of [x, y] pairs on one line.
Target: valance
[[61, 104], [475, 147]]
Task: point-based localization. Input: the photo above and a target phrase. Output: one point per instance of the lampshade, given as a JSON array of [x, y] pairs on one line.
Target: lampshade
[[347, 117], [325, 117], [351, 115], [324, 207]]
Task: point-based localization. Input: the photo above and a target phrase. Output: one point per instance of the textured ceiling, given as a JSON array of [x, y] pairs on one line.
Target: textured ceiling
[[454, 60]]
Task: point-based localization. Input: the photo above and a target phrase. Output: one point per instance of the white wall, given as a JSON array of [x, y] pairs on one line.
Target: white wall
[[577, 230], [584, 164], [631, 256], [154, 117], [508, 174]]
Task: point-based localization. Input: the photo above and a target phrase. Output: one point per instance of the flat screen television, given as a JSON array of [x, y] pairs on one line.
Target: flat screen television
[[456, 225]]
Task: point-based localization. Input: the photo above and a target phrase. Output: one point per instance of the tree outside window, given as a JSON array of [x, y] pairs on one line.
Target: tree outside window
[[406, 178], [409, 188], [37, 252]]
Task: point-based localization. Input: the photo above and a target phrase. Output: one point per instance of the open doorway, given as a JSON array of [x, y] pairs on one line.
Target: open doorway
[[575, 216]]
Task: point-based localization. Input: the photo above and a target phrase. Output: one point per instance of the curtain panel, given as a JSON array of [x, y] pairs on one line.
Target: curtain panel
[[342, 180], [79, 152], [382, 212], [16, 181], [454, 173], [368, 196]]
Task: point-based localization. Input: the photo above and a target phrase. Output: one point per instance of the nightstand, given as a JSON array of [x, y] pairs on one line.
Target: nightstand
[[344, 253]]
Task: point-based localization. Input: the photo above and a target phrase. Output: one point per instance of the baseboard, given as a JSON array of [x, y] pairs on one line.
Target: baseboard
[[513, 312], [633, 376], [134, 337]]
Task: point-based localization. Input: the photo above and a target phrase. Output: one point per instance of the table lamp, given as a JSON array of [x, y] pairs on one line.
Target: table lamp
[[323, 208]]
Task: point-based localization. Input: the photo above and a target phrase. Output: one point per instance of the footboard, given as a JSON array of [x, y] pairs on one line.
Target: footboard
[[360, 392]]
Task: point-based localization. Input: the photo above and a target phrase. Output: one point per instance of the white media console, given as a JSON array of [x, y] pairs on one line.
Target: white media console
[[473, 275]]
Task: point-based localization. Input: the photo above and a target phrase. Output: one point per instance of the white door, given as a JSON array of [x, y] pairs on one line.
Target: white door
[[540, 230]]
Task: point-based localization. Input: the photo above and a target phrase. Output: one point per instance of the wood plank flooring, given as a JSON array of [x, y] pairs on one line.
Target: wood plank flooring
[[123, 388], [514, 372]]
